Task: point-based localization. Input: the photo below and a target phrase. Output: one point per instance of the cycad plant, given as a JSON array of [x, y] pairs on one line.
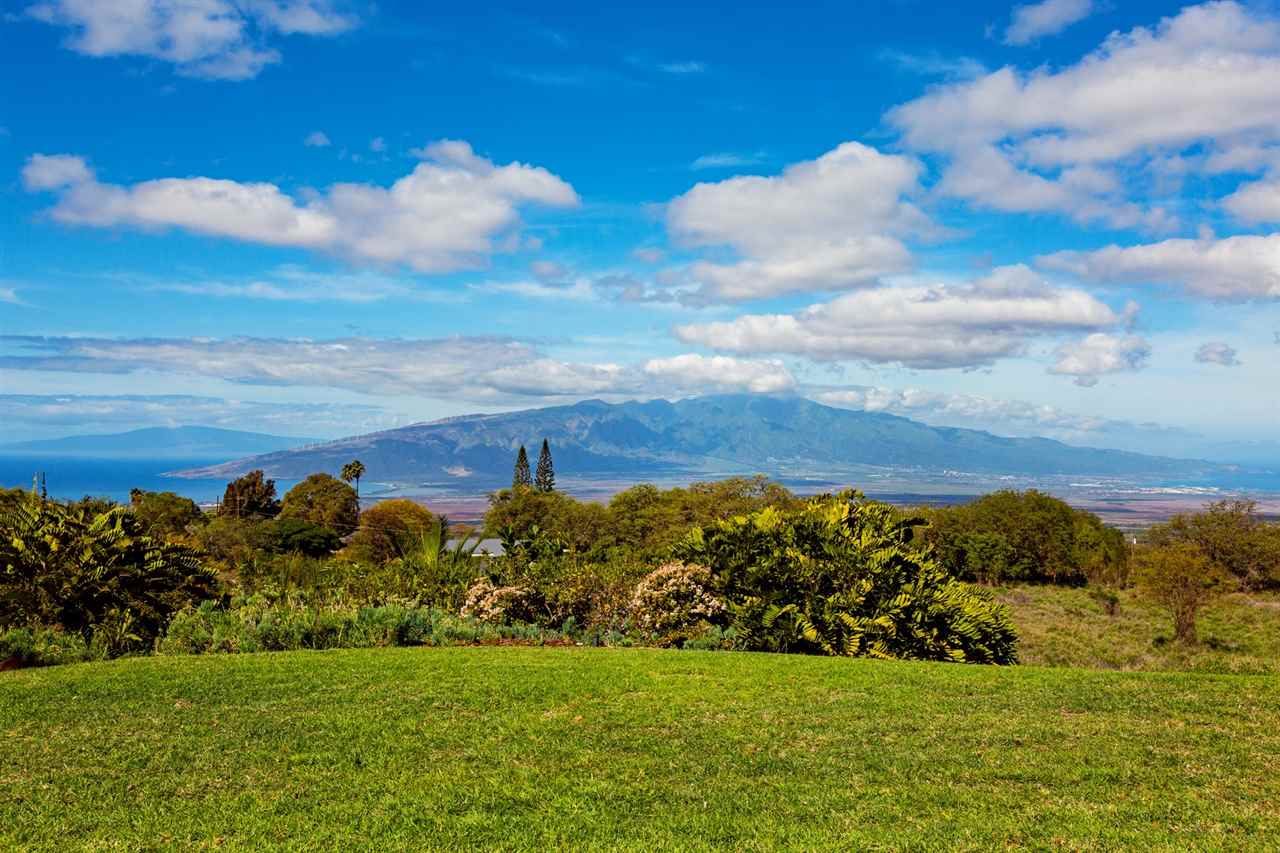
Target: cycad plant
[[838, 577], [94, 573]]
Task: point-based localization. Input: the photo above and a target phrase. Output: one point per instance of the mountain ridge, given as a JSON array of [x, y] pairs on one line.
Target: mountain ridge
[[722, 433]]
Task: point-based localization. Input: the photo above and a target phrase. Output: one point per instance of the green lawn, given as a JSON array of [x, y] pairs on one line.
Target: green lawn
[[539, 747]]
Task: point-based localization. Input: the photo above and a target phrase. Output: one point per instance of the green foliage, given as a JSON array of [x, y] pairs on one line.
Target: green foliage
[[45, 647], [521, 477], [101, 576], [390, 530], [1232, 536], [1180, 577], [1025, 536], [323, 500], [164, 513], [296, 536], [260, 624], [251, 496], [545, 481], [838, 577]]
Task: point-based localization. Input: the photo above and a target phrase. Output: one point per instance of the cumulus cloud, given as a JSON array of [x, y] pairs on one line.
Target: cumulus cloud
[[967, 409], [721, 372], [1255, 202], [942, 326], [1047, 18], [834, 223], [451, 212], [1216, 352], [1100, 354], [1080, 140], [213, 39], [1233, 269], [40, 413], [317, 139], [482, 369]]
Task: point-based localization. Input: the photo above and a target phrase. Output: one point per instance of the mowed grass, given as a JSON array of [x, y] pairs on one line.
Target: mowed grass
[[1058, 626], [537, 748]]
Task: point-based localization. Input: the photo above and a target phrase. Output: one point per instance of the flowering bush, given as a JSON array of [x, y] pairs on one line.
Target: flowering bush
[[674, 597], [487, 602]]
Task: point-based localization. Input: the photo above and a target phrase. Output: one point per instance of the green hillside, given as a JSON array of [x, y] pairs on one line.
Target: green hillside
[[535, 748]]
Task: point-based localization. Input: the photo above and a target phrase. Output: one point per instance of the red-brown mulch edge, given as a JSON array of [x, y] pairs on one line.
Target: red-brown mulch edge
[[14, 662]]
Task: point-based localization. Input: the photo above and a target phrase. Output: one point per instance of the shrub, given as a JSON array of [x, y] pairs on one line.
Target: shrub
[[1232, 536], [390, 530], [40, 646], [487, 602], [164, 513], [674, 597], [838, 577], [296, 536]]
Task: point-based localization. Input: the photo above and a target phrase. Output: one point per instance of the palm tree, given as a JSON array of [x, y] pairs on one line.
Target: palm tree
[[353, 470]]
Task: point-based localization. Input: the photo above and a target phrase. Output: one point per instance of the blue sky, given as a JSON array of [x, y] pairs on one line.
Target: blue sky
[[1055, 218]]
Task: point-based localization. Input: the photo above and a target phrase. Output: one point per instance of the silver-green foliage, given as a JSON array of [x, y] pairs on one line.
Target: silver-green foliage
[[839, 577]]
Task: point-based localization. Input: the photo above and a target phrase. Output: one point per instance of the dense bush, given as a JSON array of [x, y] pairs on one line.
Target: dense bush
[[1025, 536], [1183, 580], [98, 575], [250, 496], [838, 576]]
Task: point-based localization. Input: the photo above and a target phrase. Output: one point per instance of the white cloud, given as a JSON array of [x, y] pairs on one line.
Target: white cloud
[[215, 39], [1099, 354], [10, 295], [317, 139], [833, 223], [934, 64], [1233, 269], [1255, 202], [1216, 352], [477, 369], [721, 372], [1047, 18], [686, 67], [85, 413], [968, 409], [921, 327], [450, 213], [377, 145], [295, 284], [726, 160], [1081, 139]]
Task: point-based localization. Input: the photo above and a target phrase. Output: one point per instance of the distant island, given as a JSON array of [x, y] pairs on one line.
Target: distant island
[[183, 442]]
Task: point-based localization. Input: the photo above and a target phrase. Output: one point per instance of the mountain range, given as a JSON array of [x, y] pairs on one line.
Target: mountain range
[[722, 434], [184, 442]]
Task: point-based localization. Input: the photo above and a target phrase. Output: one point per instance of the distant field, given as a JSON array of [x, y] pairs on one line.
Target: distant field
[[537, 748]]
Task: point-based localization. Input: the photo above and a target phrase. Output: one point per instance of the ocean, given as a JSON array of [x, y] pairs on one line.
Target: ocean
[[71, 478]]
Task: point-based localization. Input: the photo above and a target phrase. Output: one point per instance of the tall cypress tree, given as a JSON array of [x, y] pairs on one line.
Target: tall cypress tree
[[521, 477], [546, 479]]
